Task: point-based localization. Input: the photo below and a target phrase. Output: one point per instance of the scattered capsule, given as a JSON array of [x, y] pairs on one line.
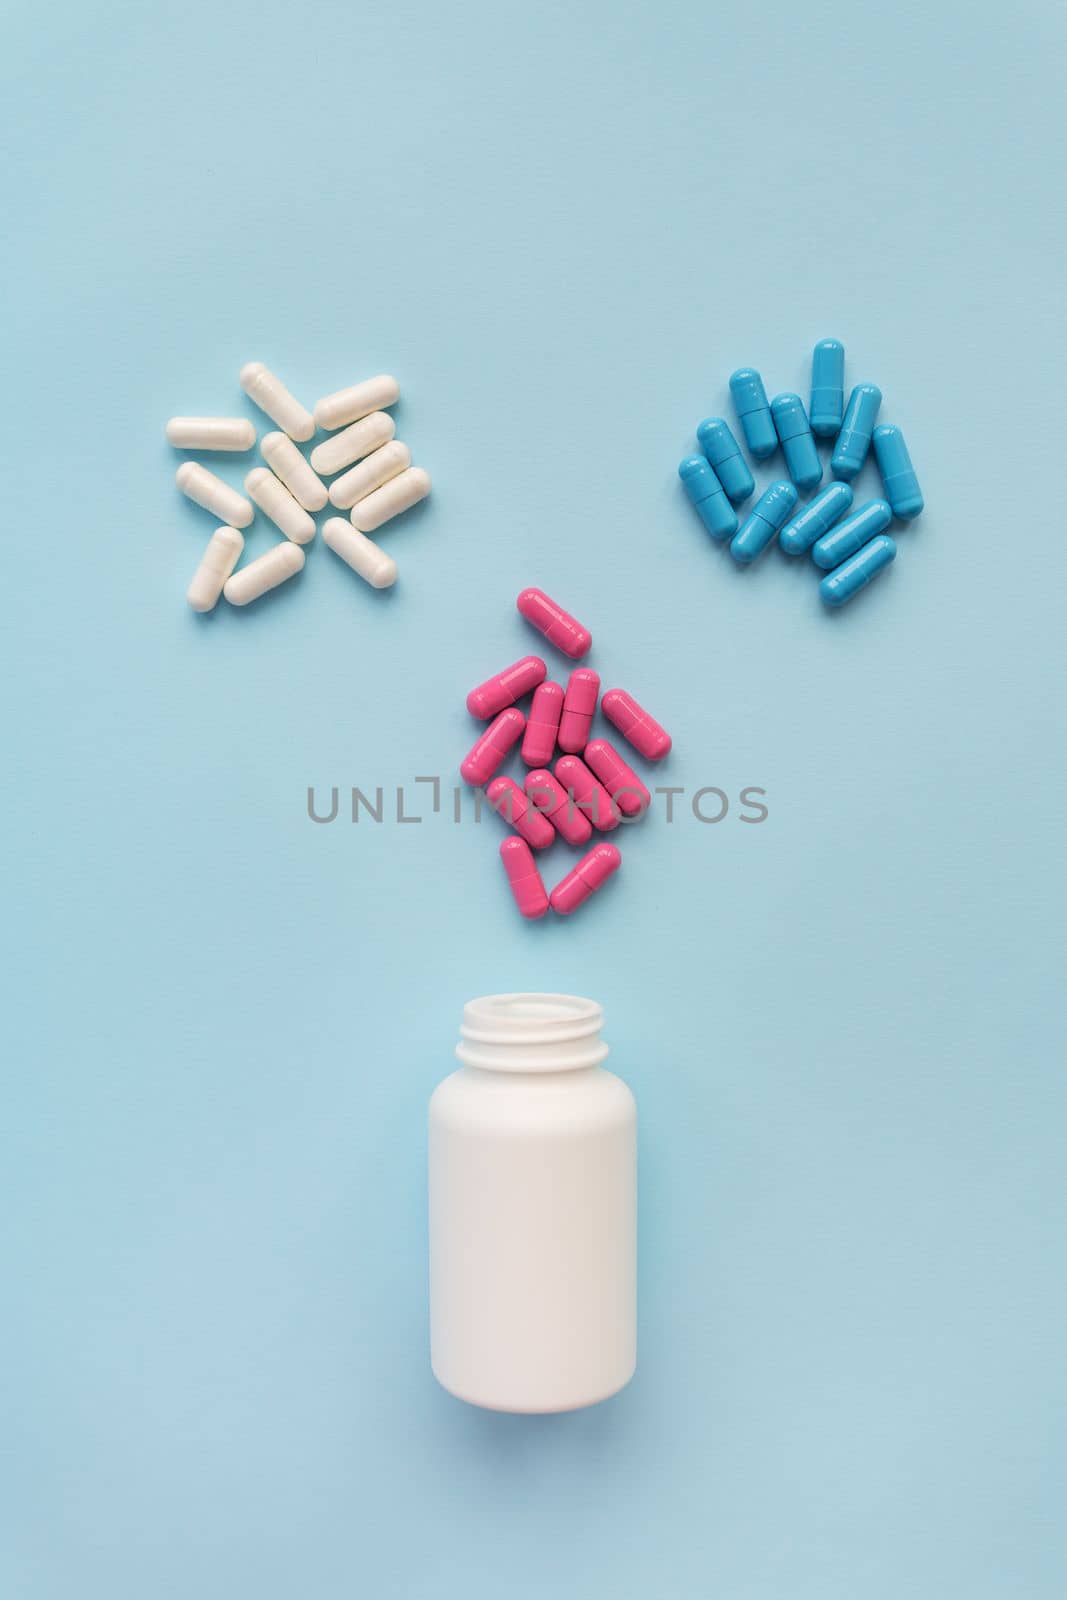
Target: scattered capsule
[[725, 458], [548, 795], [211, 433], [208, 491], [399, 494], [557, 625], [353, 443], [265, 573], [898, 475], [274, 498], [542, 724], [369, 474], [349, 405], [750, 402], [618, 777], [287, 463], [587, 793], [798, 443], [579, 704], [270, 395], [855, 574], [827, 387], [635, 724], [587, 877], [801, 531], [848, 536], [708, 498], [763, 521], [504, 688], [219, 559], [491, 750], [510, 803], [854, 440], [372, 563], [524, 878]]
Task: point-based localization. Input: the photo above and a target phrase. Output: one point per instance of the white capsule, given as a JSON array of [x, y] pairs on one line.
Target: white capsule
[[271, 396], [361, 553], [214, 495], [211, 433], [274, 498], [287, 463], [368, 434], [348, 405], [221, 556], [391, 499], [369, 474], [265, 573]]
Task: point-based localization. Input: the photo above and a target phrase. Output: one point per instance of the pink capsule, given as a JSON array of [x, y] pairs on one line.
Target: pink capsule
[[509, 802], [635, 724], [589, 795], [552, 800], [579, 703], [524, 878], [486, 754], [592, 870], [557, 625], [542, 725], [507, 687], [620, 780]]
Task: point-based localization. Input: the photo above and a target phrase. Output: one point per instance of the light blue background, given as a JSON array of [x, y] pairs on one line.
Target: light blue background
[[562, 226]]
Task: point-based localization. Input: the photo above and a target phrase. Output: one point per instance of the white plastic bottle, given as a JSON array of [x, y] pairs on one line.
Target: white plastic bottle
[[533, 1209]]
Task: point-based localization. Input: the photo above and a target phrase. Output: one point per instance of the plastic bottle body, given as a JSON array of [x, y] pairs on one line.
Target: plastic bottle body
[[532, 1184]]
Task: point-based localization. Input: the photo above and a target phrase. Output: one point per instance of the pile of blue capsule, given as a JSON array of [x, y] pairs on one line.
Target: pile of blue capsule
[[851, 546]]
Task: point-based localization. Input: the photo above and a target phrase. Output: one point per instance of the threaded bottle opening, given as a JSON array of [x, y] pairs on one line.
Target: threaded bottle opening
[[531, 1033]]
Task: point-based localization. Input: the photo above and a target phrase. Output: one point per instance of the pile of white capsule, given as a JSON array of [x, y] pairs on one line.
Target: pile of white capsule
[[373, 480]]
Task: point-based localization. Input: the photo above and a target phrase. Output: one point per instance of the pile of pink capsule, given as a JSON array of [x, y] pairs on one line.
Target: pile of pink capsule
[[591, 787]]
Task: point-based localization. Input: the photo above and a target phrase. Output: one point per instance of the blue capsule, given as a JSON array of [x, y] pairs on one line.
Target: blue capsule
[[706, 494], [750, 401], [763, 521], [724, 453], [800, 533], [854, 440], [898, 475], [827, 387], [857, 573], [848, 536], [798, 446]]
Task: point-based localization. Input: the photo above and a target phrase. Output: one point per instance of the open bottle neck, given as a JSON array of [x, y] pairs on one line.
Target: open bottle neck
[[531, 1033]]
